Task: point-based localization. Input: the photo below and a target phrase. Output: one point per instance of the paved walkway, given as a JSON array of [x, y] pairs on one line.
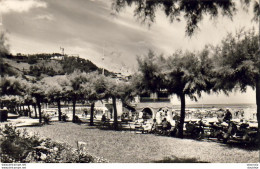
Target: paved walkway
[[20, 121]]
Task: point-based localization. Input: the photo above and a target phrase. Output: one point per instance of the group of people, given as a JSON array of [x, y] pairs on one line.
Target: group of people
[[163, 120], [224, 116]]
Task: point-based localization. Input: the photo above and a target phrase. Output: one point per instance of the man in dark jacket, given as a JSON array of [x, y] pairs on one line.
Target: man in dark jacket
[[228, 116]]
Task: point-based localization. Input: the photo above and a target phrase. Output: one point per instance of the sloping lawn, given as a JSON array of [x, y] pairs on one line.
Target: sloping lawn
[[127, 147]]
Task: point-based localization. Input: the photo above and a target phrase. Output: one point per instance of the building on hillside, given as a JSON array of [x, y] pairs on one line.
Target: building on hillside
[[57, 57]]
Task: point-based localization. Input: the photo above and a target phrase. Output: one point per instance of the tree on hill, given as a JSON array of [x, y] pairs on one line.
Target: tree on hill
[[70, 64]]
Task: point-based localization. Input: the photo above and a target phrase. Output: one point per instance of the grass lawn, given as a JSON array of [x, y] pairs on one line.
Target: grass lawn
[[127, 147]]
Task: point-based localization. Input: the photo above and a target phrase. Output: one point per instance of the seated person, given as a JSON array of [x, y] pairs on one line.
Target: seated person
[[166, 125], [220, 115], [228, 116], [154, 125]]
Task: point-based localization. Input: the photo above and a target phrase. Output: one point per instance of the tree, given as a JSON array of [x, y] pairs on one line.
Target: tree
[[37, 90], [118, 90], [13, 86], [56, 90], [94, 89], [183, 74], [28, 100], [111, 92], [151, 68], [238, 64], [188, 75], [192, 11], [74, 92]]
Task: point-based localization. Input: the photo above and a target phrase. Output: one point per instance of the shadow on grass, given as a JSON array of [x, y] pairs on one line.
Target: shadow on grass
[[174, 159], [242, 145], [36, 125], [232, 144], [30, 125]]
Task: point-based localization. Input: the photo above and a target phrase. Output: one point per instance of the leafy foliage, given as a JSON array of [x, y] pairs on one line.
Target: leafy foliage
[[70, 64], [11, 85], [46, 118], [192, 11], [189, 73], [183, 74], [151, 67], [6, 69], [237, 61], [21, 147]]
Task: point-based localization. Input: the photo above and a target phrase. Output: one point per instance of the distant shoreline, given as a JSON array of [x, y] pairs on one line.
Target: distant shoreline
[[233, 105]]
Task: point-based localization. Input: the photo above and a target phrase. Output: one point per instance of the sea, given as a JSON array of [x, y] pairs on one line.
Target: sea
[[248, 109], [223, 106]]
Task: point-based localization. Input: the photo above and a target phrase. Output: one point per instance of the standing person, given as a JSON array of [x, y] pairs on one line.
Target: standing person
[[86, 113], [103, 119], [158, 117], [154, 126], [165, 126], [95, 113], [228, 116]]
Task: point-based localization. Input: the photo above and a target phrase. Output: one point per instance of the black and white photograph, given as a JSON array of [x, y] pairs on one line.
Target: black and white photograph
[[129, 83]]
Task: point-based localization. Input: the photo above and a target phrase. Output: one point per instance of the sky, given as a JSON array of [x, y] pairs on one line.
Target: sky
[[89, 29]]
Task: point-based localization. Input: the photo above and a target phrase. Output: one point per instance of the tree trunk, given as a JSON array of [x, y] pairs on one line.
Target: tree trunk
[[35, 110], [39, 110], [181, 124], [59, 109], [258, 105], [115, 113], [92, 114], [17, 109], [29, 111], [258, 81], [74, 111]]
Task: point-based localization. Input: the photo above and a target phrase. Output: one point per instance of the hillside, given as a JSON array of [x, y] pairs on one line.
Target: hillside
[[42, 65]]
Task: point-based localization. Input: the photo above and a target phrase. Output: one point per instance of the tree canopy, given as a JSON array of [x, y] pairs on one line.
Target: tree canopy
[[237, 61], [191, 11], [183, 74]]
